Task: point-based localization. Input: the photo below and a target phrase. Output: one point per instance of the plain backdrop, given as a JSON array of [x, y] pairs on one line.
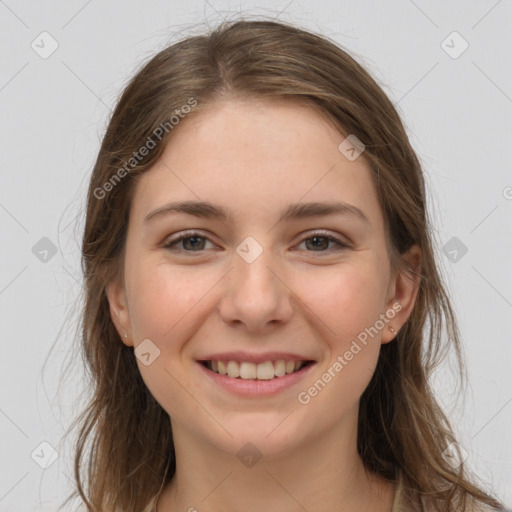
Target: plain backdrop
[[446, 65]]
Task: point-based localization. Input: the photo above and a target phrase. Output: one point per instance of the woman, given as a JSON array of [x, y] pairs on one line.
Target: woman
[[263, 307]]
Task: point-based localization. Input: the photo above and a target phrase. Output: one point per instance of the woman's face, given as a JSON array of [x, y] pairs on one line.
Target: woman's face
[[255, 287]]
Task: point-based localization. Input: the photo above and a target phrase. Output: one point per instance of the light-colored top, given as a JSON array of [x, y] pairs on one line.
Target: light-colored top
[[410, 501], [405, 501]]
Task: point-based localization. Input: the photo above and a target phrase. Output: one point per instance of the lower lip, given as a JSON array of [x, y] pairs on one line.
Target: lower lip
[[254, 387]]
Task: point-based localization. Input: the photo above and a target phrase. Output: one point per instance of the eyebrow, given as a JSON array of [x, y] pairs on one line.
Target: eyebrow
[[204, 209]]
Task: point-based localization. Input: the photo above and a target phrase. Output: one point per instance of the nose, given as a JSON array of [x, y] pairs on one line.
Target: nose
[[256, 294]]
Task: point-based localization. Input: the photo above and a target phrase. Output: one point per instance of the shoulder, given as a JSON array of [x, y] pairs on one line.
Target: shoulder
[[473, 505], [408, 500], [482, 507]]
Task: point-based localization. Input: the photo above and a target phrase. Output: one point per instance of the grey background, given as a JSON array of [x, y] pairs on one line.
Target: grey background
[[54, 111]]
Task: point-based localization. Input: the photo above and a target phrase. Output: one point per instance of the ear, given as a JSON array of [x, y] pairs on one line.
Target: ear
[[119, 312], [403, 289]]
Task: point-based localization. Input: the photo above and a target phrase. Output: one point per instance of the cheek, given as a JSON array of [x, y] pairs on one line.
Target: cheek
[[163, 298], [348, 302], [347, 299], [165, 307]]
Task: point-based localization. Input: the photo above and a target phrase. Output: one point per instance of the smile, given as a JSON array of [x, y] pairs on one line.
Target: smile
[[266, 370], [255, 379]]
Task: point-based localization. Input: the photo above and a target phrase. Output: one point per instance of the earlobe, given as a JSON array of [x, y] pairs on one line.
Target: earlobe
[[404, 288], [119, 310]]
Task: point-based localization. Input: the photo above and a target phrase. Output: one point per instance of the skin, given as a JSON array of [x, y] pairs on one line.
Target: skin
[[256, 158]]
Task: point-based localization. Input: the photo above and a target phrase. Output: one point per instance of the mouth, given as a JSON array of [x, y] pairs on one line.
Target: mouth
[[245, 370]]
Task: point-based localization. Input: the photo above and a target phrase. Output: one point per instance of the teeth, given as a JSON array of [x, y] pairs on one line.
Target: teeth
[[233, 369], [265, 371], [247, 370], [261, 371], [279, 368], [222, 368]]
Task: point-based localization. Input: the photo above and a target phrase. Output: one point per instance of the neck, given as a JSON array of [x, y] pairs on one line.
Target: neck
[[322, 475]]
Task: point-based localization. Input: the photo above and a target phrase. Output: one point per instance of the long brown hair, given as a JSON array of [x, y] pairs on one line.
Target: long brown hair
[[125, 453]]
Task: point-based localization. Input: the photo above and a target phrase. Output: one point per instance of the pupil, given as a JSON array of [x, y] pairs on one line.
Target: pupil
[[197, 238], [316, 238]]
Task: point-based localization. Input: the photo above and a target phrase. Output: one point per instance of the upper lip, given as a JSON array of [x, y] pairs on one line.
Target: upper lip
[[240, 357]]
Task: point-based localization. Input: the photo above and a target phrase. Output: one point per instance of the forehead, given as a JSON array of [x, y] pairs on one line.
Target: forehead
[[255, 158]]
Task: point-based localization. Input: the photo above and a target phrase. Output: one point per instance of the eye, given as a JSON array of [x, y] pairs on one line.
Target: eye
[[321, 240], [192, 242]]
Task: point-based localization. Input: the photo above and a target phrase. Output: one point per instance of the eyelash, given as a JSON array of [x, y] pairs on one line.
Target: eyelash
[[192, 234]]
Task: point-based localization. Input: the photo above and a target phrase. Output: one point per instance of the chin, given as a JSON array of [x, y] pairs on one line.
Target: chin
[[263, 432]]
